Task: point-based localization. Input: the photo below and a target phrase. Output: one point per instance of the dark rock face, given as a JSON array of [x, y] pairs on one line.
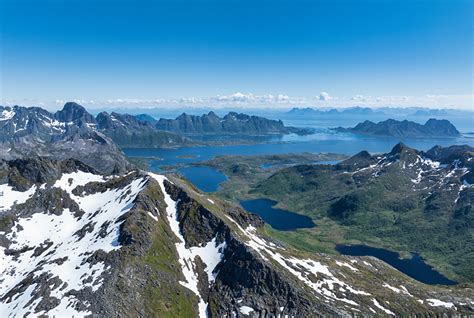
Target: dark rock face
[[69, 133], [405, 129], [242, 274], [232, 123], [146, 118], [73, 112], [22, 173]]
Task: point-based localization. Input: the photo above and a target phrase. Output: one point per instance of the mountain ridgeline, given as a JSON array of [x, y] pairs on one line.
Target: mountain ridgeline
[[140, 244], [141, 131], [433, 128], [69, 133], [232, 123]]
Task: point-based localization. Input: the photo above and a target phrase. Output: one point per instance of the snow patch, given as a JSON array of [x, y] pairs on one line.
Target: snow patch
[[438, 303], [69, 181], [153, 216], [352, 268], [377, 304], [246, 310], [7, 114], [210, 253], [9, 197]]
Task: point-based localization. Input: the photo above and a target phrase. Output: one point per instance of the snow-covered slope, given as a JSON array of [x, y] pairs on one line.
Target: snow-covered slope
[[78, 243], [55, 249]]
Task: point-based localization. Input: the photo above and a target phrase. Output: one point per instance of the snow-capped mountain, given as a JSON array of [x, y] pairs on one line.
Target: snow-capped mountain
[[77, 243], [69, 133]]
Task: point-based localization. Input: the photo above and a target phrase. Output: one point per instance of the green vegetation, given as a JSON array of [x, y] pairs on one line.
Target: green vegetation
[[167, 298], [162, 296], [382, 211], [245, 172]]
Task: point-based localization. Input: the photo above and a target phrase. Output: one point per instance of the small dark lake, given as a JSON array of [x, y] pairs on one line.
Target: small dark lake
[[414, 267], [279, 219], [204, 178]]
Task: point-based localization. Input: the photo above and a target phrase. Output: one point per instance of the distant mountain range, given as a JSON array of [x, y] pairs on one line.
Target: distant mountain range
[[68, 133], [348, 111], [232, 123], [125, 130], [129, 131], [405, 129]]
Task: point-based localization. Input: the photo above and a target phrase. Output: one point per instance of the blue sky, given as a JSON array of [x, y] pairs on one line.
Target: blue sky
[[268, 53]]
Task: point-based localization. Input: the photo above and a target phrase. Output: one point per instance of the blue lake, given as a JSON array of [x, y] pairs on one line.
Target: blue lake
[[414, 267], [322, 141], [279, 219], [204, 178]]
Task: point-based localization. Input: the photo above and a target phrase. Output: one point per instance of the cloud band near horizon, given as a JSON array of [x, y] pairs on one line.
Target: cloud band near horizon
[[249, 100]]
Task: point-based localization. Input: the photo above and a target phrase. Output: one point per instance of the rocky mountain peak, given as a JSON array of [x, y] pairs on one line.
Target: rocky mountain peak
[[73, 112], [401, 148]]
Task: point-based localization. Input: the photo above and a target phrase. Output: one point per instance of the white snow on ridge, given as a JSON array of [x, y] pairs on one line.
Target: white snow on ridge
[[439, 303], [154, 217], [69, 181], [246, 310], [210, 253], [8, 196], [352, 268], [303, 269], [7, 114], [66, 253], [379, 306]]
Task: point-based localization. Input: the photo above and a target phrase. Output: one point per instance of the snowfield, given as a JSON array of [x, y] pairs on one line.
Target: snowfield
[[9, 197], [66, 252]]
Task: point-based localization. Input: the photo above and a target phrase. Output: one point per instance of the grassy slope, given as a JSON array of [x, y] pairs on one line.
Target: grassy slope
[[381, 213], [385, 214]]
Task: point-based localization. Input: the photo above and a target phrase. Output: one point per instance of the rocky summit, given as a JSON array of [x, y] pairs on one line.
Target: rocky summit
[[74, 242], [26, 132], [405, 129], [232, 123]]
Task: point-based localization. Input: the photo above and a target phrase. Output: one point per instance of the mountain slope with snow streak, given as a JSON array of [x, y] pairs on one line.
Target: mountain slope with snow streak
[[77, 243]]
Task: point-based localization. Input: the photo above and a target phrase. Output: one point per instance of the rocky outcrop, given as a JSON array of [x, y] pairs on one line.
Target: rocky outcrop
[[27, 132], [128, 131], [440, 128], [232, 123]]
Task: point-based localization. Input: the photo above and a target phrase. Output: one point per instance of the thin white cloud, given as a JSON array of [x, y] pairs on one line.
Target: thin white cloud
[[251, 98], [246, 100]]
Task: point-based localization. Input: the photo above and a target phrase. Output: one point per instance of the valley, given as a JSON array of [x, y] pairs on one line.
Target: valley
[[344, 200], [183, 224], [236, 159]]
